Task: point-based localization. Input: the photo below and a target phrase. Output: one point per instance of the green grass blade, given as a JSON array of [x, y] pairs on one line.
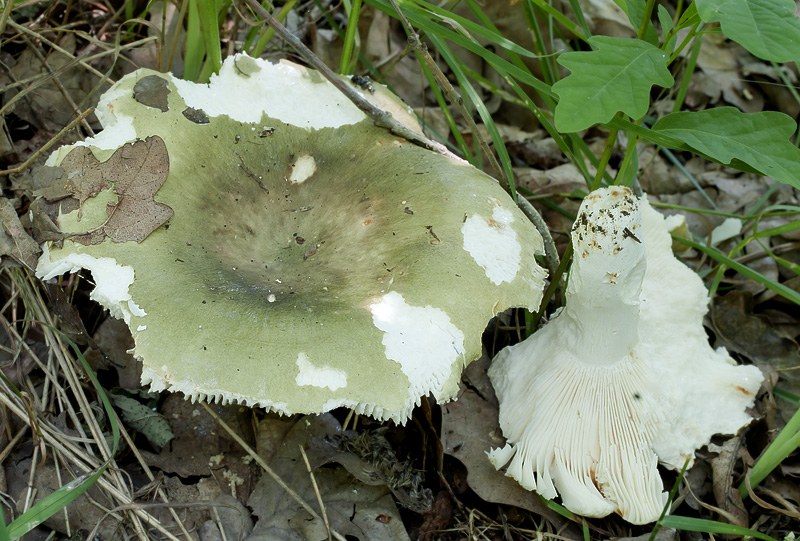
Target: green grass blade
[[346, 63], [486, 117], [195, 48], [581, 33], [780, 289], [419, 20], [4, 536], [787, 441], [471, 27], [266, 36], [451, 122], [786, 395], [208, 11], [710, 526]]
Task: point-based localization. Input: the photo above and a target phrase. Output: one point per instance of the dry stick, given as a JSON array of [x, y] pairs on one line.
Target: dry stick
[[316, 491], [275, 477], [551, 259], [44, 148], [380, 117], [57, 82], [4, 17], [58, 48]]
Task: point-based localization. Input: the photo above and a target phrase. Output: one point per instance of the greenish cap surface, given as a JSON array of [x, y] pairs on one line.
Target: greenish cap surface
[[301, 268]]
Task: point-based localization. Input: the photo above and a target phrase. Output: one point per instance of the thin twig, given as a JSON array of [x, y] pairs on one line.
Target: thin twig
[[381, 118], [316, 492], [44, 148], [550, 253], [275, 477]]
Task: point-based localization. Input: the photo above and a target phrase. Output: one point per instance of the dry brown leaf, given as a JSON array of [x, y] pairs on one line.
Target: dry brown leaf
[[136, 171], [87, 183], [15, 242], [152, 91], [354, 509], [739, 330], [726, 495], [470, 429]]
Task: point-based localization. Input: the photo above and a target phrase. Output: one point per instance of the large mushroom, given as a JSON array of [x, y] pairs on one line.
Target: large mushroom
[[267, 244], [623, 376]]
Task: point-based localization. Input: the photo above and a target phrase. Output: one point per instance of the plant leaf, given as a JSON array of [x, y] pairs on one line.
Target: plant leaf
[[730, 137], [767, 28], [617, 76]]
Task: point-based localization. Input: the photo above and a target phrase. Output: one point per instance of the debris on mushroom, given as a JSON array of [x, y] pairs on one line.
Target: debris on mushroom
[[267, 244], [622, 377]]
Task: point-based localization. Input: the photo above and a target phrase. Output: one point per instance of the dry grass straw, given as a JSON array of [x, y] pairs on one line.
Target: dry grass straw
[[63, 390], [473, 525], [63, 386]]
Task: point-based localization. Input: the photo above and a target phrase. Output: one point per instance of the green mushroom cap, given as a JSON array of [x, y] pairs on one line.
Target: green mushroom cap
[[267, 244]]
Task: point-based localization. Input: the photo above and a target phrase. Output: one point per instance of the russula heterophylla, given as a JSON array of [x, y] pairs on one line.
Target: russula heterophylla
[[277, 249], [622, 377]]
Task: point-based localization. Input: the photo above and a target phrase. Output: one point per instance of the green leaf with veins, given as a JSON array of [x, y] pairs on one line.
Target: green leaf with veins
[[725, 134], [617, 76], [768, 29]]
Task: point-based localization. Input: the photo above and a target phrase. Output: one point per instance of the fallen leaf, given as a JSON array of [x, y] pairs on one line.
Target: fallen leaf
[[437, 518], [85, 178], [15, 242], [152, 91], [739, 330], [353, 508], [202, 448], [470, 429], [726, 495], [151, 424], [136, 172]]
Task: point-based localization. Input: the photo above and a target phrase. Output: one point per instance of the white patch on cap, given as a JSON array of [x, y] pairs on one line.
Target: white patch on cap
[[303, 168], [324, 376], [492, 243], [422, 340], [112, 281], [283, 91]]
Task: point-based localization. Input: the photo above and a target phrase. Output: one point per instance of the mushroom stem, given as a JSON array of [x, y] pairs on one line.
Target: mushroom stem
[[605, 283]]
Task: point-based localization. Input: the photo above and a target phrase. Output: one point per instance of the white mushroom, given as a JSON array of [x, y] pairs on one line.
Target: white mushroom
[[622, 377]]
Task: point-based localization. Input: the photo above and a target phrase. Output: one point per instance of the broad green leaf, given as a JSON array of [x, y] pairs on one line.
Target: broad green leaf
[[617, 76], [766, 28], [730, 137], [667, 26]]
